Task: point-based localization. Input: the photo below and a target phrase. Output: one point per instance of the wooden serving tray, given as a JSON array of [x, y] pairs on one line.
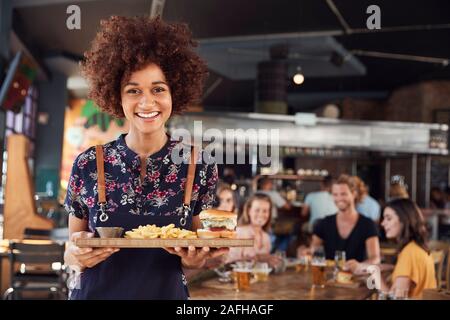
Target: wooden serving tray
[[162, 243]]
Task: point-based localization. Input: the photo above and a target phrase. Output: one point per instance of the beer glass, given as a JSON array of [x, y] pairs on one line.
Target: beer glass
[[318, 268], [242, 277], [261, 271], [318, 273]]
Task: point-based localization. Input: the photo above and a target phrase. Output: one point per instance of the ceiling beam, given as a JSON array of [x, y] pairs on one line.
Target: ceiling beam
[[263, 37], [37, 3], [408, 57], [350, 30], [339, 16]]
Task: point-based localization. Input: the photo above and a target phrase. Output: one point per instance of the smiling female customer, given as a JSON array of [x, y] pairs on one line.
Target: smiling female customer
[[414, 270], [144, 70]]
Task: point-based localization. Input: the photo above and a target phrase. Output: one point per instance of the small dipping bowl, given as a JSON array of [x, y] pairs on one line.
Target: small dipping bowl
[[110, 232]]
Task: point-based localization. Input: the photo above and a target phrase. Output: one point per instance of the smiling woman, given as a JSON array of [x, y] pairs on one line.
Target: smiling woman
[[146, 102], [144, 70], [125, 45], [414, 271]]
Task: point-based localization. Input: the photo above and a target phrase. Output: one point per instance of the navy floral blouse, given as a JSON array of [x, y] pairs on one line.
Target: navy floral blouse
[[161, 193], [130, 203]]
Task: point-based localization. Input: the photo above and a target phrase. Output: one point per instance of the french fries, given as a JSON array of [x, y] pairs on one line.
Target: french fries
[[154, 232]]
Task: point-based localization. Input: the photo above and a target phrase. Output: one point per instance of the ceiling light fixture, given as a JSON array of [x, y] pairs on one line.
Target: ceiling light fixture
[[298, 77]]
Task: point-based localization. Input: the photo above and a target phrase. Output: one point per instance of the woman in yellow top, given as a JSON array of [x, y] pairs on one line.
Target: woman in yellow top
[[414, 270]]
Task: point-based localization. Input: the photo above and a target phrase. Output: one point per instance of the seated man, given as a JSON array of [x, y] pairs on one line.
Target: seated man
[[347, 230]]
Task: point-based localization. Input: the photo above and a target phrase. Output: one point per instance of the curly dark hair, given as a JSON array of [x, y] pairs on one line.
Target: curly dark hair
[[125, 45]]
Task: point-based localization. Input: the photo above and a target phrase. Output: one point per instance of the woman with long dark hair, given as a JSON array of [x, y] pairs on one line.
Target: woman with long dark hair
[[414, 270]]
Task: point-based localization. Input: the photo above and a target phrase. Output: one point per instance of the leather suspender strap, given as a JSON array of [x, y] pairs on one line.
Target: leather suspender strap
[[189, 179], [100, 174], [190, 176]]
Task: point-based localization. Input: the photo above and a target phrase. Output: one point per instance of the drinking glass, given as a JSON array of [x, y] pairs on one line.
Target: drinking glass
[[281, 267], [319, 253], [339, 259], [302, 264], [242, 279], [261, 271], [318, 268], [241, 274], [400, 294], [318, 273]]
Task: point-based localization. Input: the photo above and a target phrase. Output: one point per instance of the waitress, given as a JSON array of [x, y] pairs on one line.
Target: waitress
[[144, 70]]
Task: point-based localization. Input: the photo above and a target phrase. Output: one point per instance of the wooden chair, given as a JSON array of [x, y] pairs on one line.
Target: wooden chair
[[438, 245], [56, 234], [36, 234], [439, 250], [438, 258], [41, 268], [388, 252]]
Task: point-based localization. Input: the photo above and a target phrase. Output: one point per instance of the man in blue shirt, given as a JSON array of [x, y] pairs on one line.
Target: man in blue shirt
[[366, 205], [319, 204]]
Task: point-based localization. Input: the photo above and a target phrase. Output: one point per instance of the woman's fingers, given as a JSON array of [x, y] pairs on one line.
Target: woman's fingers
[[94, 253], [191, 252], [181, 252], [196, 253], [90, 254], [77, 251], [203, 253], [178, 251], [81, 235], [88, 257], [91, 262], [101, 256]]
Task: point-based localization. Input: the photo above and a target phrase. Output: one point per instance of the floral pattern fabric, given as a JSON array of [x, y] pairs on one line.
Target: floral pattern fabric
[[159, 194]]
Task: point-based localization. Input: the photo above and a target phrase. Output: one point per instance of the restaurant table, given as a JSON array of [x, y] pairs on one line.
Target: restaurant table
[[435, 294], [289, 285]]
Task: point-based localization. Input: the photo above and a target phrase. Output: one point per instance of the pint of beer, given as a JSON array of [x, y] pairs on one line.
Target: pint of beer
[[261, 275], [318, 273], [242, 277], [261, 271]]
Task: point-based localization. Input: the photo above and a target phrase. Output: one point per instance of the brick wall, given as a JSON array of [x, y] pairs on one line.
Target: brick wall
[[413, 103]]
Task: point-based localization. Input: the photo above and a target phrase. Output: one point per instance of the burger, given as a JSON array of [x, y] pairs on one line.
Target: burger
[[217, 224], [344, 277]]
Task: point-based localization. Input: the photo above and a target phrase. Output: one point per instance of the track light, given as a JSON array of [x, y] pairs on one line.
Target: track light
[[298, 77]]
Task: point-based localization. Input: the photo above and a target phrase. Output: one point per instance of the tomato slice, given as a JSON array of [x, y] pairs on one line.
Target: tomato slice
[[217, 228]]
